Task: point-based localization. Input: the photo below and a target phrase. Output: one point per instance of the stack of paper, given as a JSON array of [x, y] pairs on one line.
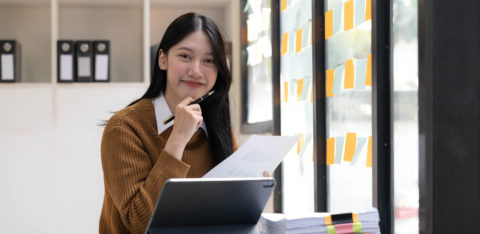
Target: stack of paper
[[363, 222]]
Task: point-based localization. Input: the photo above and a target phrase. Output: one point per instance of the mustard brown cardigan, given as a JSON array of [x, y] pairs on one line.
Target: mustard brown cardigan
[[135, 166]]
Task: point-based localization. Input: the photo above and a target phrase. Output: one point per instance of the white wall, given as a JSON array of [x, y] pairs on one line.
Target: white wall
[[50, 170]]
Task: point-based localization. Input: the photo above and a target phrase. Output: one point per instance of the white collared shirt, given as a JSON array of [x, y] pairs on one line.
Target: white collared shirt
[[162, 111]]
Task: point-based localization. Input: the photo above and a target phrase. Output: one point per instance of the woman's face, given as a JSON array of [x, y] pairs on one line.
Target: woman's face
[[190, 66]]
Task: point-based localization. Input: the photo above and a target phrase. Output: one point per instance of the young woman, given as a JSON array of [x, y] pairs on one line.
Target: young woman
[[139, 152]]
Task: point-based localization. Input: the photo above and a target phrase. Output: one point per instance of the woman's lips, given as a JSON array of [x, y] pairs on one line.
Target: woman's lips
[[192, 83]]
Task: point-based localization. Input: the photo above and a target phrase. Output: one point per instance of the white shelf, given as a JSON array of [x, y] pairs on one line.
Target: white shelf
[[190, 3], [29, 3], [102, 3], [24, 85], [102, 84]]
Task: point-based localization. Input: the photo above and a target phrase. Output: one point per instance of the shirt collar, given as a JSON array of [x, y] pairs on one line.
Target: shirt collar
[[162, 111]]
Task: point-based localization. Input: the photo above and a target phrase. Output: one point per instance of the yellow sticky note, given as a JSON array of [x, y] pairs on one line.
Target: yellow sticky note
[[350, 144], [300, 142], [349, 71], [348, 15], [285, 91], [298, 41], [284, 43], [299, 89], [330, 150], [283, 5], [368, 10], [368, 77], [369, 152], [328, 24], [329, 81]]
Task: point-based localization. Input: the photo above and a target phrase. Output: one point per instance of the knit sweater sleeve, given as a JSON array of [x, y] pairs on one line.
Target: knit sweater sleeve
[[133, 180]]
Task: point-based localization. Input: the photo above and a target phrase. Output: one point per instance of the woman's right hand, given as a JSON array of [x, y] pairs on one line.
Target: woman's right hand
[[188, 119]]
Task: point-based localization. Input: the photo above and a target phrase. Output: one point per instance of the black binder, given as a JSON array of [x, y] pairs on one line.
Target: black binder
[[84, 61], [9, 61], [65, 61], [101, 51], [201, 205]]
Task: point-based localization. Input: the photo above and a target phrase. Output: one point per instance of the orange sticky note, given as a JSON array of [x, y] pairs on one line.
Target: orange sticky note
[[349, 71], [350, 144], [300, 142], [328, 24], [311, 32], [299, 89], [330, 150], [285, 91], [284, 43], [329, 81], [298, 41], [368, 77], [355, 218], [368, 10], [348, 15], [369, 152], [328, 220], [283, 5]]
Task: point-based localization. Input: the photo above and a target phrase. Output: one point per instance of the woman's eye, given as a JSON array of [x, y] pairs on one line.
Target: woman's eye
[[210, 60], [184, 56]]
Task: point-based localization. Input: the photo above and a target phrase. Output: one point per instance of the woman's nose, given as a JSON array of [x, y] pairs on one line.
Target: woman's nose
[[195, 69]]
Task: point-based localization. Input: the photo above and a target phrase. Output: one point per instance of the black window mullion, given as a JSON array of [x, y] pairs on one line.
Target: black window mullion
[[381, 109], [275, 24], [319, 110]]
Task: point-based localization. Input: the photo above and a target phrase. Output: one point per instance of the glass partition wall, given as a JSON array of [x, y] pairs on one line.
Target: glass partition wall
[[348, 64], [256, 62], [297, 104], [349, 121], [404, 100]]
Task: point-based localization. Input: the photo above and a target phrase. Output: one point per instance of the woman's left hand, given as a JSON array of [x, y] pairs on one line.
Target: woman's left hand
[[266, 174]]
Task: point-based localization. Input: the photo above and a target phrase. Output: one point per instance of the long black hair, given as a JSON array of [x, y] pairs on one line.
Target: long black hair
[[216, 109]]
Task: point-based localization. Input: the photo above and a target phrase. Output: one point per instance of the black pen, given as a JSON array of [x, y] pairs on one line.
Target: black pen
[[200, 99]]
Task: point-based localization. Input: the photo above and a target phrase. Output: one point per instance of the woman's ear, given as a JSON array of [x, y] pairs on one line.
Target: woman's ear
[[162, 60]]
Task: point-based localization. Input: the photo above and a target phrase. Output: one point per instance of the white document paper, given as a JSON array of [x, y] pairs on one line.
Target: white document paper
[[256, 155], [101, 67], [83, 66], [66, 66], [7, 67]]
